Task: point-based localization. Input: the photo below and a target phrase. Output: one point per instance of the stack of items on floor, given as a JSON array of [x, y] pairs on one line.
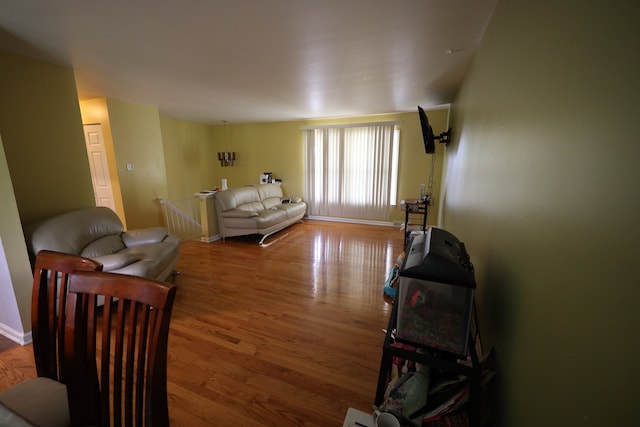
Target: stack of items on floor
[[429, 397]]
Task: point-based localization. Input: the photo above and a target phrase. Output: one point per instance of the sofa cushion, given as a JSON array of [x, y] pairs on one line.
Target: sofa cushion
[[266, 191], [248, 224], [238, 213], [251, 206], [271, 202], [105, 245], [41, 401], [230, 199], [270, 217], [293, 209]]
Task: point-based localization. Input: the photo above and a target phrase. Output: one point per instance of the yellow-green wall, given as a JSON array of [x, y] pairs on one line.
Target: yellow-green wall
[[279, 148], [15, 293], [46, 167], [261, 147], [189, 157], [172, 159], [542, 185], [41, 124], [137, 140], [189, 150], [43, 140]]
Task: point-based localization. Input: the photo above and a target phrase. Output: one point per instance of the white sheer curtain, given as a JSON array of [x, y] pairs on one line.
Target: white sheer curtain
[[351, 171]]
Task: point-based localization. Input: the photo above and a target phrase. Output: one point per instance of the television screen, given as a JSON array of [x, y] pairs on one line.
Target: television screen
[[427, 132]]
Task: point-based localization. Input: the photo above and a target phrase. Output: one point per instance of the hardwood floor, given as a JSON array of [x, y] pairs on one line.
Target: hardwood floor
[[286, 334], [6, 343]]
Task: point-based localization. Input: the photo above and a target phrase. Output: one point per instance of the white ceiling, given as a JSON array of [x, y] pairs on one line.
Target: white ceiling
[[255, 60]]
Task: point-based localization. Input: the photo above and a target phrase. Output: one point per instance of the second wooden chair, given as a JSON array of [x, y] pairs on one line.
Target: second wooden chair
[[115, 356]]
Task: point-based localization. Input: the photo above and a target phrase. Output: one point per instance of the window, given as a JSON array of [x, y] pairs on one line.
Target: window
[[351, 171]]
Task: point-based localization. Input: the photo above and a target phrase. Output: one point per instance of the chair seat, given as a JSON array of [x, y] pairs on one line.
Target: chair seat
[[40, 401]]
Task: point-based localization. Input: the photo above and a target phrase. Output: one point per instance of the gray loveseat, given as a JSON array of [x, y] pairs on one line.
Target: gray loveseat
[[257, 209], [98, 233]]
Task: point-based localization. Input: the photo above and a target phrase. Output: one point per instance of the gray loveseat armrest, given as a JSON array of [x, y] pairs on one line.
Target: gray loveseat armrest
[[115, 261], [144, 235]]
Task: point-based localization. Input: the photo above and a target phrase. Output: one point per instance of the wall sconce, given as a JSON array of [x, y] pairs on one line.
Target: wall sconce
[[226, 158]]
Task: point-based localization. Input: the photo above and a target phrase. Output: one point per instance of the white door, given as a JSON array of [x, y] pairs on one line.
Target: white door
[[99, 166]]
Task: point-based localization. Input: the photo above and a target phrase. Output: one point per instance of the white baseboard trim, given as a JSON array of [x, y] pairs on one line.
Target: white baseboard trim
[[352, 220], [210, 238], [15, 336]]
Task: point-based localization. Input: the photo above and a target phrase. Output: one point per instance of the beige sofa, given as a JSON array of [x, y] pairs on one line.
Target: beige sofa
[[98, 233], [256, 210]]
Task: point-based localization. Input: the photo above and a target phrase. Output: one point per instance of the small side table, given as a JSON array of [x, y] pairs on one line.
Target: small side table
[[415, 217]]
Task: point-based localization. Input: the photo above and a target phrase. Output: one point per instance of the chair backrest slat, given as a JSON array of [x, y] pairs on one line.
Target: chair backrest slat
[[130, 388]]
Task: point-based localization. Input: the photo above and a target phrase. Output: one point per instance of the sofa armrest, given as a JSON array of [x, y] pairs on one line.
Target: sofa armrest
[[239, 213], [285, 200], [115, 261], [144, 235]]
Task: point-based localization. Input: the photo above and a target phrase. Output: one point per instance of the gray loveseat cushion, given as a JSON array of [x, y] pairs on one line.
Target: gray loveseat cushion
[[103, 245]]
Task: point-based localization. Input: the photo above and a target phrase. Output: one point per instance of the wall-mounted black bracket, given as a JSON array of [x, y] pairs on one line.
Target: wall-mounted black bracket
[[444, 137]]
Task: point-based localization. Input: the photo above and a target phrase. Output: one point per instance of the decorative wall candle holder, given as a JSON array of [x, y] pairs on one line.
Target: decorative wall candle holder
[[226, 158]]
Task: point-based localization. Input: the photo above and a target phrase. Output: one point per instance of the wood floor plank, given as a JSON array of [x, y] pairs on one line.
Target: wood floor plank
[[284, 334]]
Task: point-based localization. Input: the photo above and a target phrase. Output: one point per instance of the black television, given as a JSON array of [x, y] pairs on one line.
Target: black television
[[427, 132]]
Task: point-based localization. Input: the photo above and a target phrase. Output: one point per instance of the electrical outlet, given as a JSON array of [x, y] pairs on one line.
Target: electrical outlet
[[130, 167]]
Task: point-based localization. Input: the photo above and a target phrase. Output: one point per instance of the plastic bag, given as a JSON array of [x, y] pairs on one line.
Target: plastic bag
[[407, 395]]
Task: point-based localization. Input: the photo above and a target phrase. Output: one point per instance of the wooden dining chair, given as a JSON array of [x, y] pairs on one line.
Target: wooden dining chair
[[115, 356], [48, 301], [42, 401]]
